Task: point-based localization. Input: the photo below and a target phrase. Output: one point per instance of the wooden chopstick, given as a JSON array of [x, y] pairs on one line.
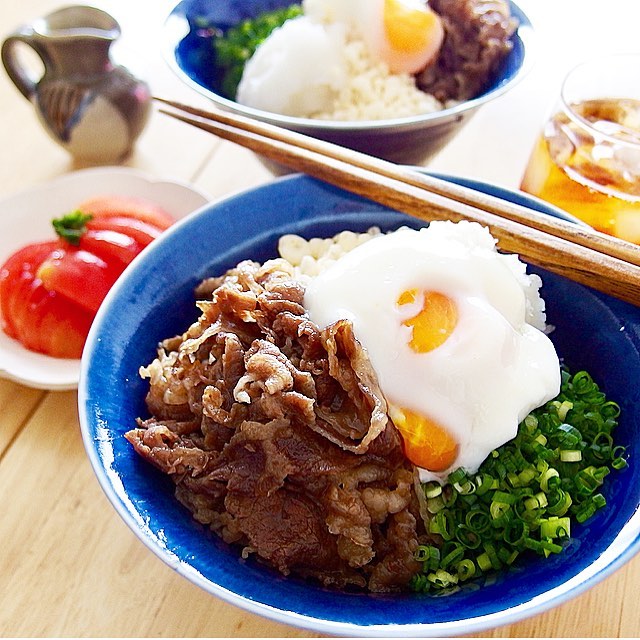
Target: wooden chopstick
[[584, 236], [390, 185]]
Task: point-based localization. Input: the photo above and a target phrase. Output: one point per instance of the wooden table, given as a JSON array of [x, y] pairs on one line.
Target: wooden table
[[68, 565]]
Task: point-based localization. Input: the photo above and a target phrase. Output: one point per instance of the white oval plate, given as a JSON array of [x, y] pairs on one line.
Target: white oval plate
[[26, 218]]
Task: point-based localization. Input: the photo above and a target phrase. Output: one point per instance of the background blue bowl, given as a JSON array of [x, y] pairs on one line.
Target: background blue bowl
[[154, 300], [413, 140]]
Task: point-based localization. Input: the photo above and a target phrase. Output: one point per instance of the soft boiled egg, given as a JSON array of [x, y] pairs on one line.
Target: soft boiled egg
[[405, 34], [448, 324]]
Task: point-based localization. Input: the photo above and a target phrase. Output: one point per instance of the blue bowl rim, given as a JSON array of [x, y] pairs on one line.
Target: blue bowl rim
[[525, 32], [606, 564]]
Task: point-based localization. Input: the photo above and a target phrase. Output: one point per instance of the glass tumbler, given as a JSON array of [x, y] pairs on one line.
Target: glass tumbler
[[587, 158]]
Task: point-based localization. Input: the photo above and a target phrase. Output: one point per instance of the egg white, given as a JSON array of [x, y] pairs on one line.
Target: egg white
[[493, 369], [365, 19]]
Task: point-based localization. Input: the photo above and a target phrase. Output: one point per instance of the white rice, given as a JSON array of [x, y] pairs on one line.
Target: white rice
[[308, 258], [312, 70], [372, 92]]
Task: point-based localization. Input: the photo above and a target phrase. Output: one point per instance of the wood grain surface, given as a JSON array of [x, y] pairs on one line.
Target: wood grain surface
[[69, 566]]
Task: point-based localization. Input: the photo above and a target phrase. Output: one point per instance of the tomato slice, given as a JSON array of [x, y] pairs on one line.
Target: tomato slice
[[33, 299], [62, 326], [28, 293], [41, 320], [128, 207], [16, 276], [109, 245], [50, 291], [79, 275], [49, 323], [140, 231]]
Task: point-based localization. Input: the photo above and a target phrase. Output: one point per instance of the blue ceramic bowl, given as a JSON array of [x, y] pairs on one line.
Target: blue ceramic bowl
[[188, 48], [154, 300]]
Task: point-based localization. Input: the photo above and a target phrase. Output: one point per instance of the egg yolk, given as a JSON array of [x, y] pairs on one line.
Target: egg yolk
[[426, 443], [434, 323], [410, 26]]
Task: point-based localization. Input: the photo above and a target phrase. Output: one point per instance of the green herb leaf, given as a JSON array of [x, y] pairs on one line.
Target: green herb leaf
[[235, 47], [72, 226]]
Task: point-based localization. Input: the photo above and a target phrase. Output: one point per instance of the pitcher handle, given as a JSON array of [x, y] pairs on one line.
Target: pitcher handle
[[24, 81]]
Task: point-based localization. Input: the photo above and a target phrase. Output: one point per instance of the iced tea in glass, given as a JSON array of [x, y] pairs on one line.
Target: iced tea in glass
[[587, 159]]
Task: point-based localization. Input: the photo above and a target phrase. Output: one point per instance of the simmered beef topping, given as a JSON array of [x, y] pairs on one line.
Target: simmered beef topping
[[276, 435], [477, 39]]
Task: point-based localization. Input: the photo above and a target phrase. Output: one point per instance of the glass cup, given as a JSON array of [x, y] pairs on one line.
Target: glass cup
[[587, 158]]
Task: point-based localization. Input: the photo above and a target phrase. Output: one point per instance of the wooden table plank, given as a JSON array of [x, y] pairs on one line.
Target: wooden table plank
[[69, 566], [586, 616], [221, 177], [16, 404], [628, 603]]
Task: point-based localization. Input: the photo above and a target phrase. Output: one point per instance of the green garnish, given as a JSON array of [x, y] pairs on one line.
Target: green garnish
[[234, 48], [72, 226], [526, 494]]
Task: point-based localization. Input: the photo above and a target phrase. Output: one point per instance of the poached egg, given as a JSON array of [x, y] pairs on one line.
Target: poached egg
[[448, 325]]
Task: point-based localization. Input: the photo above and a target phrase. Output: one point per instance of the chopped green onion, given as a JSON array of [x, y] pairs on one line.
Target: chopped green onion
[[478, 520], [498, 509], [492, 554], [503, 498], [547, 477], [432, 490], [549, 547], [586, 512], [465, 488], [559, 502], [619, 463], [515, 532], [442, 578], [468, 537], [484, 562], [538, 501], [610, 410], [459, 475], [466, 569], [617, 460], [570, 455], [555, 527], [485, 483], [564, 408], [429, 556], [526, 494], [453, 557], [526, 476], [435, 504]]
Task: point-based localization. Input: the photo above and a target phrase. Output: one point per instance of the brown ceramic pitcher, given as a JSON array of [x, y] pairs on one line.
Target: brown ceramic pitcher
[[92, 107]]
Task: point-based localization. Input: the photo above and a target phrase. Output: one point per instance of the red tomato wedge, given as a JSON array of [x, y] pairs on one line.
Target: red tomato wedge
[[110, 245], [42, 320], [127, 207], [143, 232], [62, 327], [78, 275], [16, 278], [51, 291]]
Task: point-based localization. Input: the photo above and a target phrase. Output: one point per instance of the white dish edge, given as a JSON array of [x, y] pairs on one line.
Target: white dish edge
[[25, 217]]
